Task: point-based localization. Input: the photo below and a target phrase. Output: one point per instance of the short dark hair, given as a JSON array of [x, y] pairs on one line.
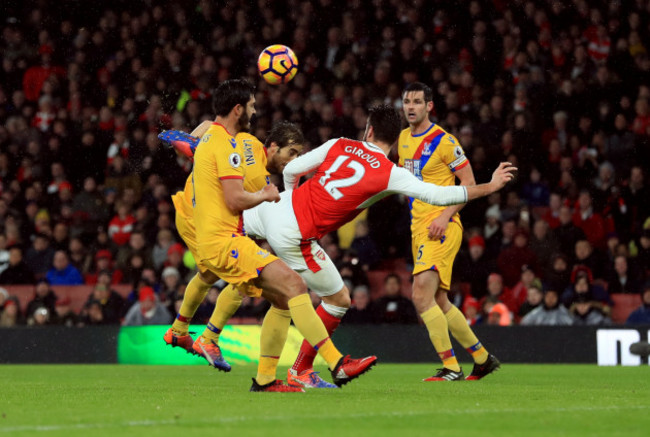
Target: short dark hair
[[285, 133], [386, 122], [419, 86], [231, 93]]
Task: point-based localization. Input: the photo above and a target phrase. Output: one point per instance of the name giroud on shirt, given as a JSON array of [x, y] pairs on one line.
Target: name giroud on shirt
[[355, 151]]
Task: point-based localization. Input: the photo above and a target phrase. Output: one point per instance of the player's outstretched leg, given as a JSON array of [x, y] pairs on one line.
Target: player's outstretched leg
[[278, 280], [207, 345], [302, 373], [195, 292]]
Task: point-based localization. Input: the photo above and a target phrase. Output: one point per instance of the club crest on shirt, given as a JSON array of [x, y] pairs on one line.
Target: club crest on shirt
[[234, 159], [320, 255], [427, 149]]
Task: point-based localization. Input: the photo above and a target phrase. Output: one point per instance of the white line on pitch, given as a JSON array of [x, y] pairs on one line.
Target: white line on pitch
[[217, 420]]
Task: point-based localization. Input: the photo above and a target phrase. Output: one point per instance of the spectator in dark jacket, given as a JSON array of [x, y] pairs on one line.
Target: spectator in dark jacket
[[623, 280], [40, 255], [111, 304], [361, 310], [44, 297], [62, 272], [392, 307], [17, 273], [641, 315]]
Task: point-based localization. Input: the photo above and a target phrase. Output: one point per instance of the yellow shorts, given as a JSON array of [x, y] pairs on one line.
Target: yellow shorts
[[437, 255], [239, 261], [187, 231]]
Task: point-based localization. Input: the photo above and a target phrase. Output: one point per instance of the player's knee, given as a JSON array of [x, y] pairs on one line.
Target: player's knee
[[340, 299]]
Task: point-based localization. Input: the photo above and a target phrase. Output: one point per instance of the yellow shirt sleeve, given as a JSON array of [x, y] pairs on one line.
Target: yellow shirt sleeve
[[257, 176], [229, 159], [452, 153]]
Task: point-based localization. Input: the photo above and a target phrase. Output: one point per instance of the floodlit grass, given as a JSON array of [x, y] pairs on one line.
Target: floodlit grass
[[526, 400]]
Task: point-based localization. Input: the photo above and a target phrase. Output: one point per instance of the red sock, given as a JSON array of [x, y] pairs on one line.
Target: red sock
[[305, 360]]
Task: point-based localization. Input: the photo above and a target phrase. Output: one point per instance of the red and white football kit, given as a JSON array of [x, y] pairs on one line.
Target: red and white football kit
[[349, 177]]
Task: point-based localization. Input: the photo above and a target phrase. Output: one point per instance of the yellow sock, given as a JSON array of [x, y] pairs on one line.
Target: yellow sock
[[436, 324], [272, 339], [311, 327], [227, 303], [463, 333], [194, 295]]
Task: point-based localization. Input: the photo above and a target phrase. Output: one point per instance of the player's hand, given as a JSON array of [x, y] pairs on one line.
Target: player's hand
[[502, 175], [270, 193], [438, 227]]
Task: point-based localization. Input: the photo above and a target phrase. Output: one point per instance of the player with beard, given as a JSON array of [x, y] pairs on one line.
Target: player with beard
[[435, 156], [217, 198]]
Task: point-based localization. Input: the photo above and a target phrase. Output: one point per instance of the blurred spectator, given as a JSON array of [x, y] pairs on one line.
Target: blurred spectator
[[544, 244], [121, 226], [499, 315], [550, 313], [164, 240], [519, 293], [62, 272], [534, 297], [40, 255], [63, 314], [591, 222], [586, 313], [364, 246], [586, 256], [92, 314], [559, 277], [4, 254], [10, 315], [568, 234], [475, 266], [513, 258], [17, 272], [641, 315], [137, 246], [623, 281], [535, 192], [583, 285], [392, 307], [361, 310], [103, 263], [172, 286], [111, 305], [147, 311], [40, 317], [44, 297], [472, 310]]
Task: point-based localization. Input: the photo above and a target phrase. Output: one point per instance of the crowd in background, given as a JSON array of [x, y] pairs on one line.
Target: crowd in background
[[559, 88]]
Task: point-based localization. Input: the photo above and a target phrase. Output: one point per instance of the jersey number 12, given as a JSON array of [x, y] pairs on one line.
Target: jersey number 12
[[332, 187]]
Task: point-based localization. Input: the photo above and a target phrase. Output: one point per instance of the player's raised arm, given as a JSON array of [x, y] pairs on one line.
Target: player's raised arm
[[402, 181], [237, 199], [305, 164]]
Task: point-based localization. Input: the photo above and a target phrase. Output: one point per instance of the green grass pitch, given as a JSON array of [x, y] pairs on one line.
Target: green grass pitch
[[519, 400]]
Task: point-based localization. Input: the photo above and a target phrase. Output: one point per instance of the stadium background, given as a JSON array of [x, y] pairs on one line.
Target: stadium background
[[559, 88]]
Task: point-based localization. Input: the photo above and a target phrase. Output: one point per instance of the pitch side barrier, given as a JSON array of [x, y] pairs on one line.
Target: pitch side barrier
[[391, 343]]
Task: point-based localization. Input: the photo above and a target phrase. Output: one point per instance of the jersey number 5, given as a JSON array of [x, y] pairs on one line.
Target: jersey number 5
[[332, 187]]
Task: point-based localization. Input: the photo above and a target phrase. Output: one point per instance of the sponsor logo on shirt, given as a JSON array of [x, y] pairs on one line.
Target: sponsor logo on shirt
[[234, 253], [413, 165], [249, 156], [233, 143]]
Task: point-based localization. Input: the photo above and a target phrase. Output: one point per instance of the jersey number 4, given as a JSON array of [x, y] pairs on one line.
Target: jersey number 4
[[332, 186]]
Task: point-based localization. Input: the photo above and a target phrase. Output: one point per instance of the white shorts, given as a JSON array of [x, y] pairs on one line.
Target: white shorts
[[276, 223]]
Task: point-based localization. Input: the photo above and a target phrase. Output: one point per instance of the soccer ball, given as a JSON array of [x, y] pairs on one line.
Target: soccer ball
[[277, 64]]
